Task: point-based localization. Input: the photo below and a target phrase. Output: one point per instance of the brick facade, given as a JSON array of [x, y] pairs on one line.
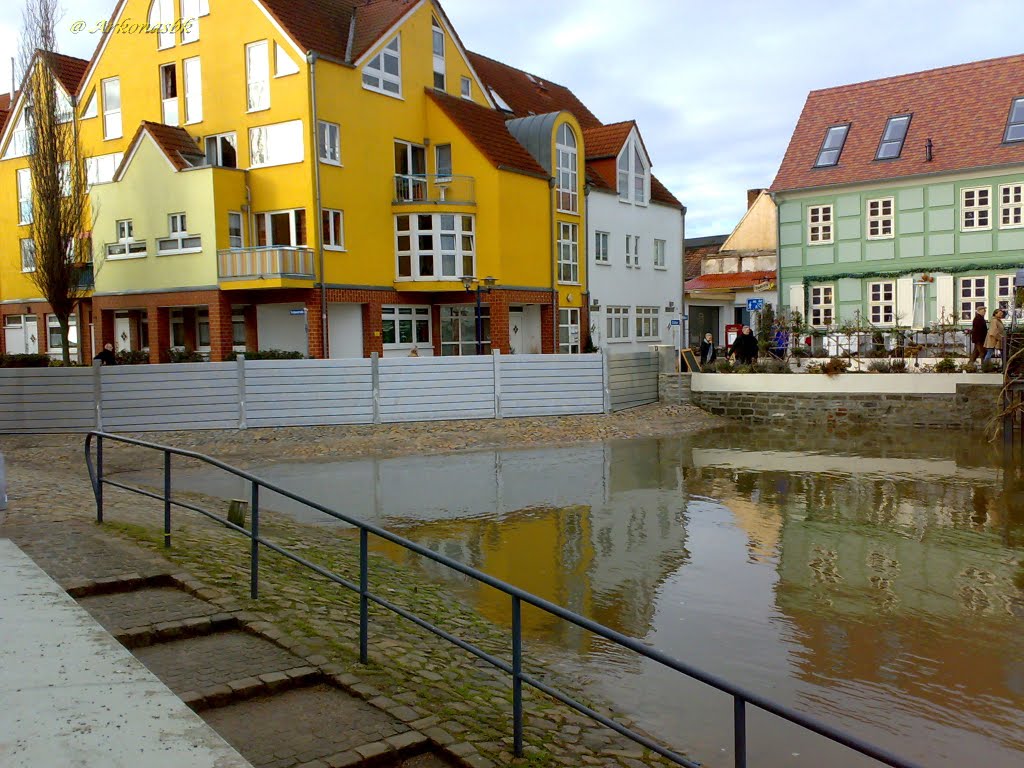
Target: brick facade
[[43, 310]]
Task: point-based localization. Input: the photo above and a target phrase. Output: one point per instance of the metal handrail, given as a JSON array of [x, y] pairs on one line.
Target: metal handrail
[[741, 696]]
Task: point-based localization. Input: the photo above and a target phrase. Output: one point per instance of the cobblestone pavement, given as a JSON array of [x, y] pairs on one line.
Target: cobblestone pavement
[[144, 607], [467, 704]]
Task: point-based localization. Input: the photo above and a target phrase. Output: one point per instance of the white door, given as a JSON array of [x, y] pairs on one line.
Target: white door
[[122, 333], [345, 330], [531, 330], [516, 330], [14, 334]]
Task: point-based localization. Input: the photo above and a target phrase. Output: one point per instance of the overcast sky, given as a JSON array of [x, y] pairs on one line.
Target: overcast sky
[[716, 87]]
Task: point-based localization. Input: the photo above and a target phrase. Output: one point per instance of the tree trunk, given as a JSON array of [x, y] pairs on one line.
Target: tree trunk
[[65, 344]]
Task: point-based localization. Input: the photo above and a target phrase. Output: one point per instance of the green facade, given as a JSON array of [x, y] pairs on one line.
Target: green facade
[[928, 247]]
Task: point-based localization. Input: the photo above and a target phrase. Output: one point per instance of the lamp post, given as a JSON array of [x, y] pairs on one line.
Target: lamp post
[[488, 285]]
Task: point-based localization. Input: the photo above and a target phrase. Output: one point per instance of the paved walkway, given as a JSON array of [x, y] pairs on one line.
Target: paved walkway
[[72, 695]]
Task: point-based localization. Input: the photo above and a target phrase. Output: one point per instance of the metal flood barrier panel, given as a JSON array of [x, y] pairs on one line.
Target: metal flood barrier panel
[[633, 379]]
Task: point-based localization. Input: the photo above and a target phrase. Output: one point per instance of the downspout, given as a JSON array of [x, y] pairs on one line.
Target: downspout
[[554, 283], [684, 321], [585, 261], [778, 259], [311, 57]]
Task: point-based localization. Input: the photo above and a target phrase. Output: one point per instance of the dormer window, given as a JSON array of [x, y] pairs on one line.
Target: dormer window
[[832, 147], [384, 71], [634, 174], [1015, 124], [891, 145]]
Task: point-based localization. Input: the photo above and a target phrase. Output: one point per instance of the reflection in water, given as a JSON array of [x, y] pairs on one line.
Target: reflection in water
[[875, 581]]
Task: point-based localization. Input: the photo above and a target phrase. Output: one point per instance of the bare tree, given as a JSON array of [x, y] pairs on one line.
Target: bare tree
[[59, 194]]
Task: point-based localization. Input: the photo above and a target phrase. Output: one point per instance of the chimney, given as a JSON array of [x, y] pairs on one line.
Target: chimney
[[752, 195]]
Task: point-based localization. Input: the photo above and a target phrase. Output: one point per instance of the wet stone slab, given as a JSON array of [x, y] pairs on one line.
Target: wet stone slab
[[145, 607]]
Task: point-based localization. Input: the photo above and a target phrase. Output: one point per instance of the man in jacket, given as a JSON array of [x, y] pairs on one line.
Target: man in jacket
[[979, 330]]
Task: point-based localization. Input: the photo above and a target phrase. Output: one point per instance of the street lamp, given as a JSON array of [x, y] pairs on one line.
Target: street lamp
[[488, 285]]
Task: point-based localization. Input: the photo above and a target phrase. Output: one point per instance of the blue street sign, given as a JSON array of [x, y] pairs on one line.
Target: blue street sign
[[755, 305], [673, 322], [296, 311]]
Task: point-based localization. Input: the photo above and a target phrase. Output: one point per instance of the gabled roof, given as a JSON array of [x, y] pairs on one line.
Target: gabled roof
[[68, 70], [486, 129], [606, 140], [177, 144], [529, 94], [963, 110], [728, 281]]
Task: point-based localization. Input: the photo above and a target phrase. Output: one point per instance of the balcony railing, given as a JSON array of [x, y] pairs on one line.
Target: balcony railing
[[268, 262], [434, 189], [86, 277]]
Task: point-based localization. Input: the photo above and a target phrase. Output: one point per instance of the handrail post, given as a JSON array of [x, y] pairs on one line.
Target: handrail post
[[364, 590], [375, 385], [739, 718], [254, 552], [99, 478], [517, 677], [167, 499]]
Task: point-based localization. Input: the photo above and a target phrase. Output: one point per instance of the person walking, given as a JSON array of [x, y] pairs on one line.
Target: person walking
[[744, 349], [106, 355], [979, 330], [708, 353], [994, 339]]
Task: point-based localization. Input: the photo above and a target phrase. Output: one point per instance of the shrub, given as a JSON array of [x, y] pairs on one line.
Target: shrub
[[24, 361], [969, 368], [777, 366], [184, 356], [989, 366], [946, 365], [898, 366], [835, 366], [722, 366], [814, 368], [880, 366], [267, 354], [743, 369], [131, 357]]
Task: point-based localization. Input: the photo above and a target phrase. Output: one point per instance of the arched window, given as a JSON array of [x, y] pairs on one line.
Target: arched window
[[565, 146], [161, 18], [634, 177]]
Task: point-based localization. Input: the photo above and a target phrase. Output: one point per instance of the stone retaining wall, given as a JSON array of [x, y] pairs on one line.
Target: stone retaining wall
[[972, 406], [674, 388]]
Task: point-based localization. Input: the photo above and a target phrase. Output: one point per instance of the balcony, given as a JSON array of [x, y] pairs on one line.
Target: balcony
[[275, 266], [86, 276], [432, 189]]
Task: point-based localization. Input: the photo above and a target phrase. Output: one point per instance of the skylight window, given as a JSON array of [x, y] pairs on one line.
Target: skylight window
[[891, 145], [832, 147], [1015, 125]]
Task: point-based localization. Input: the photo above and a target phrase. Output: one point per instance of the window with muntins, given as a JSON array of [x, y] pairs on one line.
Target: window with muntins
[[443, 160], [882, 302], [973, 296], [281, 228], [819, 224], [404, 327], [180, 241], [111, 108], [53, 336], [601, 247], [169, 94], [632, 250], [647, 323], [126, 246], [435, 246], [633, 173], [822, 305], [437, 35], [329, 142], [1004, 292], [235, 230], [880, 219], [383, 73], [458, 330], [832, 146], [565, 147], [257, 76], [101, 169], [1015, 122], [569, 331], [891, 144], [1011, 206], [332, 223], [617, 323], [659, 254], [568, 253], [975, 208], [466, 88]]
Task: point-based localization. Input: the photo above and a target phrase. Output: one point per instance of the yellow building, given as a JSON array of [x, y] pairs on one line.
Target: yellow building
[[290, 174]]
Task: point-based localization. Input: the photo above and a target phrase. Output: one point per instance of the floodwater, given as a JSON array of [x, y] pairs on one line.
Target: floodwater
[[875, 582]]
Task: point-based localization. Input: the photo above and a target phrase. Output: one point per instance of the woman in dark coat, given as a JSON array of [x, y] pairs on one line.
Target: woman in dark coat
[[744, 349], [708, 353]]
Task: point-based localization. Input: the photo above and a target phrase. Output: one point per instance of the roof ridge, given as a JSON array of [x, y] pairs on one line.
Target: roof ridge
[[969, 65], [546, 80]]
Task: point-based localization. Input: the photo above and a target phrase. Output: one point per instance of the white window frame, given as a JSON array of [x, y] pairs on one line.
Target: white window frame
[[567, 169], [648, 323], [293, 228], [822, 309], [180, 240], [100, 169], [975, 209], [660, 247], [882, 302], [568, 253], [444, 172], [53, 326], [881, 218], [460, 317], [126, 246], [1011, 206], [190, 21], [277, 144], [192, 79], [821, 228], [170, 113], [257, 76], [236, 241], [601, 247], [25, 212], [332, 223], [161, 18], [112, 125], [28, 255], [971, 295], [411, 233], [328, 140], [569, 320], [375, 76], [284, 65], [466, 88], [1004, 292], [411, 315], [617, 324], [634, 174], [440, 70], [633, 251], [91, 108], [218, 149]]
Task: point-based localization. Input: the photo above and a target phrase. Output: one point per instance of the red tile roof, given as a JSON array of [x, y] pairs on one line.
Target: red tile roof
[[176, 143], [324, 25], [529, 94], [728, 281], [68, 70], [963, 109], [486, 128], [5, 110], [606, 140]]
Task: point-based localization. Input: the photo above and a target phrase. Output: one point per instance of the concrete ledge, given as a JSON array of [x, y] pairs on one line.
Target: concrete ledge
[[818, 383]]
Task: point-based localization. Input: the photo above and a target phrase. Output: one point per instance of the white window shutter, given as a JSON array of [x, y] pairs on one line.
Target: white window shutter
[[796, 299], [944, 302], [905, 301]]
